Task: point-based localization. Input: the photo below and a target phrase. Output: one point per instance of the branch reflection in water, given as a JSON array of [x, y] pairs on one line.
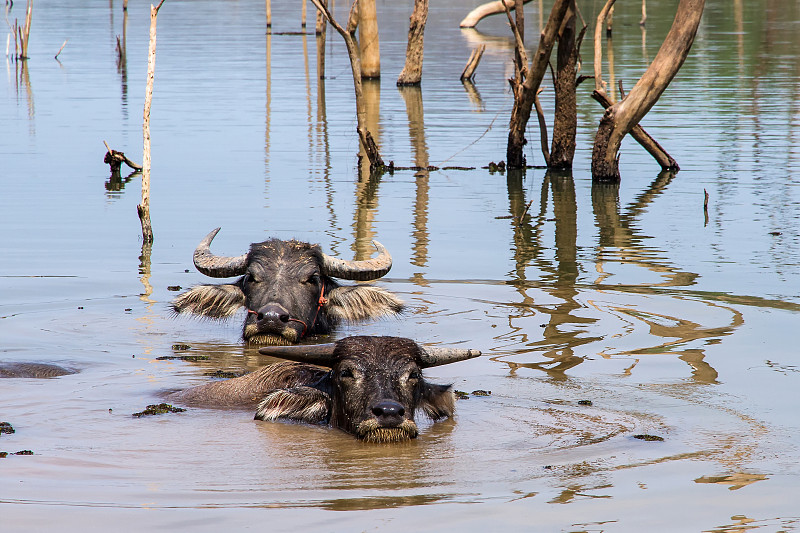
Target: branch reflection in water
[[571, 326]]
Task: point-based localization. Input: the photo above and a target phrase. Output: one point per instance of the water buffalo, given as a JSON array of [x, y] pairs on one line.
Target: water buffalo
[[370, 387], [33, 370], [288, 289]]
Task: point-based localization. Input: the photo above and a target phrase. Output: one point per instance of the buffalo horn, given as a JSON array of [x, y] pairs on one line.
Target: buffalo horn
[[443, 356], [315, 354], [217, 266], [366, 270]]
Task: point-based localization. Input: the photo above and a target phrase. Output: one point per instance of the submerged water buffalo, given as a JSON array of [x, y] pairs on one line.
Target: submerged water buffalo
[[372, 386], [288, 289], [33, 370]]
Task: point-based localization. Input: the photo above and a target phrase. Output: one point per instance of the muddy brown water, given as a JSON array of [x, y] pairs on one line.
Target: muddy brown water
[[604, 313]]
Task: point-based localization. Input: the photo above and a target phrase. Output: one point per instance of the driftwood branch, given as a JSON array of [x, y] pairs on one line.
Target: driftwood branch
[[599, 84], [114, 159], [367, 141], [60, 49], [472, 62], [519, 43], [542, 128], [485, 10]]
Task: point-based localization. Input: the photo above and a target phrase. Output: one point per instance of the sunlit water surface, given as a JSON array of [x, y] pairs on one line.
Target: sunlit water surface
[[603, 312]]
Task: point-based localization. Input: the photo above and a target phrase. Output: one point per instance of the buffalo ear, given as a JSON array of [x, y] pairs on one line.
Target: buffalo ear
[[304, 404], [352, 303], [213, 301], [437, 401]]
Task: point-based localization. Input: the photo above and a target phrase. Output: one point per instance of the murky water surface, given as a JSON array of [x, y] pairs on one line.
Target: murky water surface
[[603, 312]]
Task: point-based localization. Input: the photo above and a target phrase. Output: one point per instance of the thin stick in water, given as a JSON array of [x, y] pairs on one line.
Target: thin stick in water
[[59, 50]]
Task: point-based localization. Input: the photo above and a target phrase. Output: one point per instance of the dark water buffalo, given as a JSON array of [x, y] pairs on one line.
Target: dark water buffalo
[[288, 289], [370, 387], [33, 370]]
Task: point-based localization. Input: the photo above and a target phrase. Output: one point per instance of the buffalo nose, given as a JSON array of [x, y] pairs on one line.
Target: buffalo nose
[[273, 313], [387, 409]]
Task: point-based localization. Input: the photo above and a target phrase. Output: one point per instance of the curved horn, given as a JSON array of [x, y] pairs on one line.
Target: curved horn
[[359, 270], [315, 354], [443, 356], [217, 266]]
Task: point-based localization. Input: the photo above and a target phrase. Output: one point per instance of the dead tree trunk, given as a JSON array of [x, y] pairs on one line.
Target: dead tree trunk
[[22, 33], [367, 141], [412, 71], [368, 39], [565, 122], [526, 84], [144, 208], [620, 118]]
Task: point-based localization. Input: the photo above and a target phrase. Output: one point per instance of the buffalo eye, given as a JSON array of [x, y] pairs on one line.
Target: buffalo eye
[[414, 376], [346, 373], [313, 279]]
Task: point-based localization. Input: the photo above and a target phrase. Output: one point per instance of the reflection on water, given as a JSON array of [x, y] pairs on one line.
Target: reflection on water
[[736, 481], [604, 310]]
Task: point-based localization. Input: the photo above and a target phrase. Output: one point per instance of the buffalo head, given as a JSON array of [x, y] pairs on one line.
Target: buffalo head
[[373, 388], [288, 289]]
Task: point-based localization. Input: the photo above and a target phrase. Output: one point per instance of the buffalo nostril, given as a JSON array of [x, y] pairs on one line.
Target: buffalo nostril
[[388, 409], [273, 313]]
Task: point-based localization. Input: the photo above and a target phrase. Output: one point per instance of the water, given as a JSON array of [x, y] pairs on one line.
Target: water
[[670, 323]]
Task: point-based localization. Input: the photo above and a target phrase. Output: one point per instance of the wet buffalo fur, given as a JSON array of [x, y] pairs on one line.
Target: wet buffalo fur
[[286, 277], [367, 372], [250, 389]]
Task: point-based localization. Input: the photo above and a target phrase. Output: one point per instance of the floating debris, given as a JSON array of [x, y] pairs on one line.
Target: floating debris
[[480, 392], [181, 347], [173, 288], [584, 402], [649, 438], [5, 427], [461, 395], [21, 452], [190, 358], [159, 409]]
